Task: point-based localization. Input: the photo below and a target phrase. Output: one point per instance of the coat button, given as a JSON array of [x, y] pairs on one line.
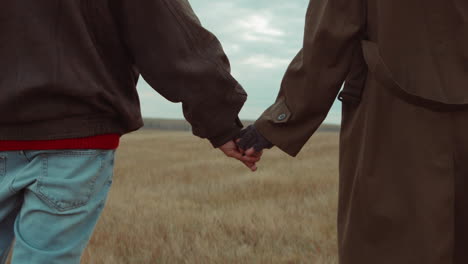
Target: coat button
[[282, 117]]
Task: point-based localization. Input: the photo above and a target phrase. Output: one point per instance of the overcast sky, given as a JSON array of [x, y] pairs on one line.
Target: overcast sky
[[260, 38]]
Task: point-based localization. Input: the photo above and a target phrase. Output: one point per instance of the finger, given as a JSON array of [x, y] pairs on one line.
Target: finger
[[242, 151], [253, 153], [250, 152], [251, 166], [235, 154], [239, 156], [258, 156], [239, 148], [247, 158]]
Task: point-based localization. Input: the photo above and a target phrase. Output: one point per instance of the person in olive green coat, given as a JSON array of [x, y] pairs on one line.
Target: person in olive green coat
[[404, 137]]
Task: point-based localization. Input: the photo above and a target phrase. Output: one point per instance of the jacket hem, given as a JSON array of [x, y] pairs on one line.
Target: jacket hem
[[68, 128]]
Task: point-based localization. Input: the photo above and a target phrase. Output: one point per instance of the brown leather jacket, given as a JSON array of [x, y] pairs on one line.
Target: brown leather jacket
[[417, 51], [69, 68]]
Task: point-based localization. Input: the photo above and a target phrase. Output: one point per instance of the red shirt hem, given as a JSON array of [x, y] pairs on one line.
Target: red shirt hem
[[109, 141]]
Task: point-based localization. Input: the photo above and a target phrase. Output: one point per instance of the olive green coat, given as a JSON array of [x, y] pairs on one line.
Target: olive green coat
[[404, 143]]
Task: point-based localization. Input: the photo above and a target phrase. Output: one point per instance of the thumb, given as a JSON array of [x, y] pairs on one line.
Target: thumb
[[250, 152], [235, 154]]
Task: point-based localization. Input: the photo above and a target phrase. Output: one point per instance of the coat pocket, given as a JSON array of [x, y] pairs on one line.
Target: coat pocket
[[356, 80], [68, 178]]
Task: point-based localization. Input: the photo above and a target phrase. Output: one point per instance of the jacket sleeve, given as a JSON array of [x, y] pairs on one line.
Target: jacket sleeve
[[185, 63], [315, 76]]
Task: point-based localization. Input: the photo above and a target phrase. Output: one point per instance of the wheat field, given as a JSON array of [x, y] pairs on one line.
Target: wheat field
[[175, 199]]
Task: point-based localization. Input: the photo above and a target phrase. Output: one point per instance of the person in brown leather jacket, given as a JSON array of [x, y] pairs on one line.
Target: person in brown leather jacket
[[404, 138], [68, 75]]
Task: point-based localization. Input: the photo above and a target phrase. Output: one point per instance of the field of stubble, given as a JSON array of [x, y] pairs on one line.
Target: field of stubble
[[177, 200]]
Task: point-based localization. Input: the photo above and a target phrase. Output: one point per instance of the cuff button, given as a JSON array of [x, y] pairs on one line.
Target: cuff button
[[282, 117]]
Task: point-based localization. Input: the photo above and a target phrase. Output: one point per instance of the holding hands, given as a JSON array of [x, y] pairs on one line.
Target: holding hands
[[248, 148]]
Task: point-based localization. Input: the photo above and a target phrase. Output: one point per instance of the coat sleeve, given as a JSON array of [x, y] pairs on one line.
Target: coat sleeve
[[315, 76], [185, 63]]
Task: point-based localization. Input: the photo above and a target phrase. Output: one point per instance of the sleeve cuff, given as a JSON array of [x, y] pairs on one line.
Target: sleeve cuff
[[277, 137], [222, 139]]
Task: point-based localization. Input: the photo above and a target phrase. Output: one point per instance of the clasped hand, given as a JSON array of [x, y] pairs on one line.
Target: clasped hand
[[247, 148]]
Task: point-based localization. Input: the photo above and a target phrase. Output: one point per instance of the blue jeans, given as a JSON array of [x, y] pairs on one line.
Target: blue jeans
[[50, 201]]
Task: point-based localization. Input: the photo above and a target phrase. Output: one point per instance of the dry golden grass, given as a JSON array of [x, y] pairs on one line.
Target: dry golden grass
[[177, 200]]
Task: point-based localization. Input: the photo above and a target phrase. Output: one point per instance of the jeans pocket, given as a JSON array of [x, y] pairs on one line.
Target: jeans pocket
[[68, 178]]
